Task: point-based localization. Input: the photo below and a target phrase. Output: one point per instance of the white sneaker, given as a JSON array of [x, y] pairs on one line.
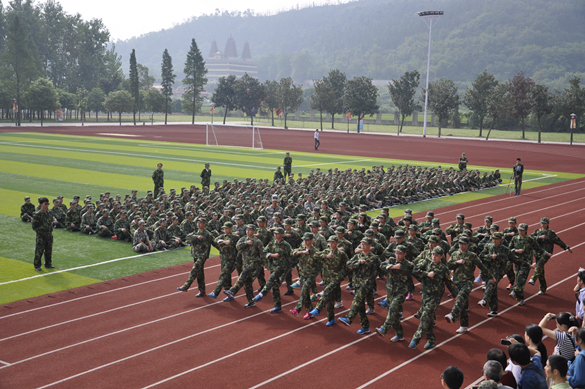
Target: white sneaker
[[449, 318], [370, 311], [482, 303], [338, 305], [462, 330]]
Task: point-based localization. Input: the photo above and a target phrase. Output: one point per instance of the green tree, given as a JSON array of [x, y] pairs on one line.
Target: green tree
[[42, 96], [522, 107], [360, 98], [443, 99], [249, 95], [82, 102], [571, 101], [20, 65], [119, 101], [323, 98], [499, 103], [168, 80], [68, 101], [542, 103], [194, 80], [112, 75], [270, 102], [290, 97], [146, 81], [402, 93], [225, 94], [134, 84], [337, 82], [476, 97], [154, 101], [95, 101]]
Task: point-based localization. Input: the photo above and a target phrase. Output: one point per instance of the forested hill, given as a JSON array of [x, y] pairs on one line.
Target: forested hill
[[384, 38]]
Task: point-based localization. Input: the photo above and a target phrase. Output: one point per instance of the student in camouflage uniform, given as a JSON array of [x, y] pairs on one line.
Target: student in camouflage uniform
[[547, 239], [365, 266], [463, 263], [88, 221], [399, 272], [278, 253], [42, 225], [334, 271], [294, 240], [105, 225], [525, 247], [252, 254], [457, 228], [412, 253], [495, 256], [205, 176], [73, 220], [122, 228], [163, 240], [226, 245], [309, 268], [433, 276], [158, 177], [510, 232], [287, 165], [59, 217], [27, 210], [141, 242], [201, 246]]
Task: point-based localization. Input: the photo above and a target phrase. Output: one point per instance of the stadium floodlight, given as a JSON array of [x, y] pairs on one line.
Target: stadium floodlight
[[430, 15]]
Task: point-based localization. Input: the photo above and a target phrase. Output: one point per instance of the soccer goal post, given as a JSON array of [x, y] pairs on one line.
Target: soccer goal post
[[233, 135]]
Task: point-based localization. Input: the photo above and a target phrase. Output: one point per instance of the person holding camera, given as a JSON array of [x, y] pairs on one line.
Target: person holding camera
[[565, 344]]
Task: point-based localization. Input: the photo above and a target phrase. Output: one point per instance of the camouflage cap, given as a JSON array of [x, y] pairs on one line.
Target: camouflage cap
[[512, 219], [495, 227], [340, 230], [461, 216], [308, 236], [367, 240], [289, 221], [489, 218], [314, 223], [141, 223], [301, 216], [413, 227], [497, 235], [189, 213], [26, 198], [523, 227], [435, 222], [375, 224], [251, 227], [408, 211], [467, 224], [279, 230], [434, 239], [381, 216], [261, 219], [239, 217], [323, 219], [402, 248], [430, 214], [228, 225], [467, 233], [438, 250], [353, 221], [202, 220], [463, 240], [399, 234], [333, 238], [407, 217], [544, 220], [369, 232]]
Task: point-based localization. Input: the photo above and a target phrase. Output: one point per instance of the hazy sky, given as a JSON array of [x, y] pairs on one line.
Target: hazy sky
[[127, 18]]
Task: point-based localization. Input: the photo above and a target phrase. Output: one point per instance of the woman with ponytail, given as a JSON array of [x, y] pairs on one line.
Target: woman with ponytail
[[533, 337], [565, 343]]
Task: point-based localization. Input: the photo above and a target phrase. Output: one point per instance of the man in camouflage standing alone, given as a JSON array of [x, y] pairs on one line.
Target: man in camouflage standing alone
[[205, 176], [287, 166], [158, 177], [42, 224]]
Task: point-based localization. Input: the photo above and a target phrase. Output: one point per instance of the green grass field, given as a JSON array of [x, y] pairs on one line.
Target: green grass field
[[39, 164]]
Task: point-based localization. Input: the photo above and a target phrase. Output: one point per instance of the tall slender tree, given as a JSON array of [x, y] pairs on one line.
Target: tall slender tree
[[271, 100], [360, 98], [402, 92], [443, 99], [290, 97], [337, 81], [168, 80], [499, 103], [323, 98], [225, 94], [476, 97], [249, 94], [194, 80], [521, 97], [542, 104], [134, 84]]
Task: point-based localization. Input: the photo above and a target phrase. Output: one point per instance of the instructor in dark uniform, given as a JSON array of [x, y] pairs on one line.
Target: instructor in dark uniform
[[518, 171]]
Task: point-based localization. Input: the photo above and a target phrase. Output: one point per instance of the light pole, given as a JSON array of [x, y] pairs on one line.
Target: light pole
[[430, 15], [573, 125]]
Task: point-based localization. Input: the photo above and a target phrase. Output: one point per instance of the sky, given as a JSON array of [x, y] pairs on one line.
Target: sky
[[128, 18]]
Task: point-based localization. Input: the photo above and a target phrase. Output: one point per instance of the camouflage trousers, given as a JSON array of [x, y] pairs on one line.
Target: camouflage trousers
[[121, 235], [26, 218], [288, 277], [358, 305], [140, 248], [394, 309], [88, 230], [225, 276], [521, 278], [274, 281], [73, 228], [44, 246], [104, 233], [308, 283], [491, 292], [246, 279], [172, 244], [510, 273], [429, 307], [197, 273], [459, 310], [329, 296], [261, 277], [539, 273]]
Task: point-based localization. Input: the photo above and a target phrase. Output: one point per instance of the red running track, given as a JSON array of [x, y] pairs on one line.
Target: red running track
[[139, 332]]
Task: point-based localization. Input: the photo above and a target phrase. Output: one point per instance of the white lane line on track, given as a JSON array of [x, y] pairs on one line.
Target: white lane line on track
[[472, 327], [100, 313], [5, 363], [333, 163], [546, 189]]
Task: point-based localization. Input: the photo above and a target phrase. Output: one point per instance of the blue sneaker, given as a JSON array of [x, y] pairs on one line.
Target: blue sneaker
[[258, 297], [400, 315], [348, 287], [227, 299], [296, 285], [478, 279], [412, 344], [344, 320], [352, 292], [314, 297], [212, 295], [315, 312], [381, 331], [330, 323], [362, 331], [276, 310], [429, 345], [383, 303]]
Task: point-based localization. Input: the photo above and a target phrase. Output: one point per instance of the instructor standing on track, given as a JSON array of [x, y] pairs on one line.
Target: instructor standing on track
[[463, 162], [317, 142], [518, 171], [287, 166], [42, 224]]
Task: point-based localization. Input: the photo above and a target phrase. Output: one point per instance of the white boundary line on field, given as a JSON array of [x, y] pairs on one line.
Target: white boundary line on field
[[333, 163]]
